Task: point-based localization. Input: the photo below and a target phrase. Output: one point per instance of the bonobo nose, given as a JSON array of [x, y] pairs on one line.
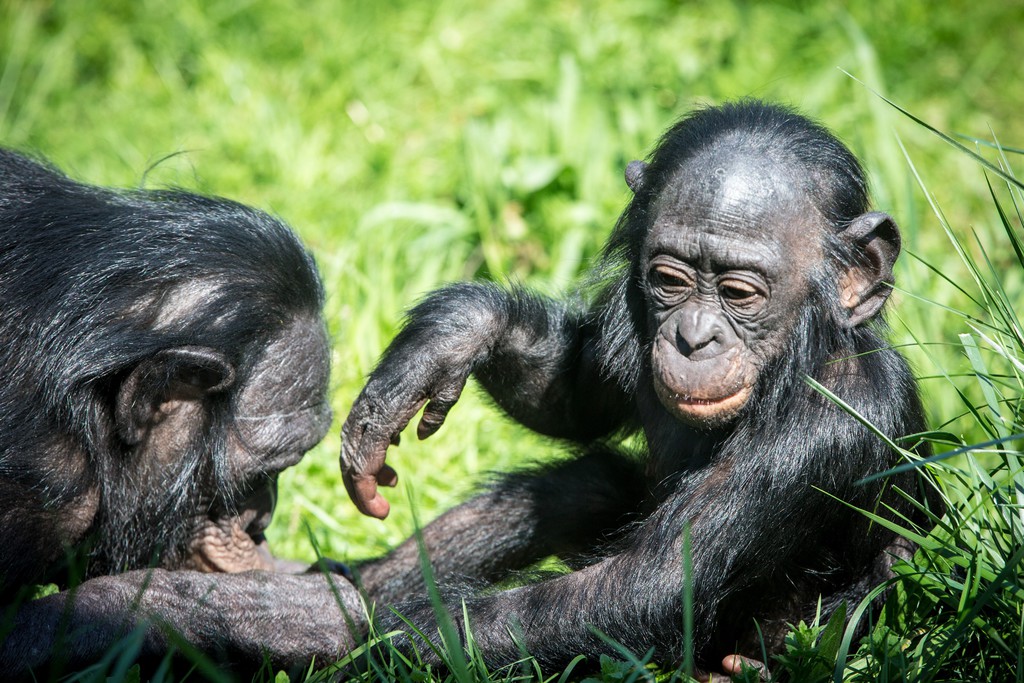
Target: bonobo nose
[[700, 334], [697, 347]]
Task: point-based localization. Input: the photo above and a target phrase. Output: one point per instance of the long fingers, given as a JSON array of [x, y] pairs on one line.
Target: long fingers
[[437, 410], [366, 435], [374, 424]]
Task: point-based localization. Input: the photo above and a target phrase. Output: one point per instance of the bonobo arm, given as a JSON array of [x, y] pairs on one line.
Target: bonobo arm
[[634, 597], [751, 515], [533, 356], [565, 509], [290, 618]]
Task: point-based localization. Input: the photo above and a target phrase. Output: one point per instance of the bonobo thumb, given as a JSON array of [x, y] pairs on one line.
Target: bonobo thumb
[[734, 665]]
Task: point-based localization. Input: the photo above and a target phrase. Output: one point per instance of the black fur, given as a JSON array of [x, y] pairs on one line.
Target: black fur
[[758, 497], [163, 358], [83, 273]]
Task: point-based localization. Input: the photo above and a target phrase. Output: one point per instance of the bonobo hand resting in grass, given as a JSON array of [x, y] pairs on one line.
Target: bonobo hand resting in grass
[[163, 359], [746, 262]]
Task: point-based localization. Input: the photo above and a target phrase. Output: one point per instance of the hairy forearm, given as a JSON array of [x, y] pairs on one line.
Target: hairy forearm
[[566, 509], [290, 618], [41, 629], [558, 619], [532, 355]]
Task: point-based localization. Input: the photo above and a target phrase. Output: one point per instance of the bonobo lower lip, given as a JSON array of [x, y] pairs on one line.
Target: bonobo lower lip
[[236, 542], [707, 407]]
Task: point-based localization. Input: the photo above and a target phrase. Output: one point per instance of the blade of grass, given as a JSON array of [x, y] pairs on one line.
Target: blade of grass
[[943, 136]]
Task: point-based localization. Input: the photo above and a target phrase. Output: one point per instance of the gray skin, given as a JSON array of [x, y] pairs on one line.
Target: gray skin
[[723, 298], [292, 620], [726, 267], [221, 589]]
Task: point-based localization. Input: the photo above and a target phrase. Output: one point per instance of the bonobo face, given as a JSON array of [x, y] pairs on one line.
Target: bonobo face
[[282, 412], [726, 264]]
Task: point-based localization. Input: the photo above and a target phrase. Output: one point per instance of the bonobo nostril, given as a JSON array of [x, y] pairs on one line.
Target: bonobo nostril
[[699, 334], [694, 343]]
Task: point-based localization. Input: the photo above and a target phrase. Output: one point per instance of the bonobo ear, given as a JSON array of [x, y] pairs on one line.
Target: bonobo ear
[[865, 286], [186, 373], [635, 175]]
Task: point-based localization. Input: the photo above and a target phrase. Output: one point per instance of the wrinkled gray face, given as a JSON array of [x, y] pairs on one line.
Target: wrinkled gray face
[[282, 412], [726, 265]]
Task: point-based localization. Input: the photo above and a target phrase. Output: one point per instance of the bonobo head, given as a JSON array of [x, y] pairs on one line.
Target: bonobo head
[[231, 391], [165, 358], [206, 429], [746, 216]]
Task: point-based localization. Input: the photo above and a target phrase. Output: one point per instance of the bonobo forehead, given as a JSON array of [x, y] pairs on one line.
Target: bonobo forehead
[[735, 207]]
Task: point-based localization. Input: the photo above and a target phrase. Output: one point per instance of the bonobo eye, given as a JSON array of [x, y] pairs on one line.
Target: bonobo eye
[[740, 294], [670, 282]]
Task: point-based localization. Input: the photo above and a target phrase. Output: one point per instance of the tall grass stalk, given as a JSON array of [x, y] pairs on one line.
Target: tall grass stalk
[[956, 611]]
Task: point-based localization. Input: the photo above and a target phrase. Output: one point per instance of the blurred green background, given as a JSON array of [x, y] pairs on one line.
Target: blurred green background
[[415, 143]]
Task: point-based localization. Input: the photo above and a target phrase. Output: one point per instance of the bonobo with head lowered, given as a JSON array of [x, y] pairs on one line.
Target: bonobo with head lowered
[[164, 359], [746, 262]]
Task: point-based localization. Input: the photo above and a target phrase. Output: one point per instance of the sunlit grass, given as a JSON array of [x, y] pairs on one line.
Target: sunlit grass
[[412, 144]]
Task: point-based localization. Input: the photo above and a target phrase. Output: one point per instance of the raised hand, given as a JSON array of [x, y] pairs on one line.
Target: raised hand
[[427, 364], [530, 354], [377, 419]]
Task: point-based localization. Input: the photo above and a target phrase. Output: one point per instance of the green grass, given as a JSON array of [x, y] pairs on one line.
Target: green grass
[[416, 143]]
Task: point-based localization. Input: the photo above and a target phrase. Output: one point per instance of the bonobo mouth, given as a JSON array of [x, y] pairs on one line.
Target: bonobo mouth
[[237, 542], [707, 393], [705, 409]]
